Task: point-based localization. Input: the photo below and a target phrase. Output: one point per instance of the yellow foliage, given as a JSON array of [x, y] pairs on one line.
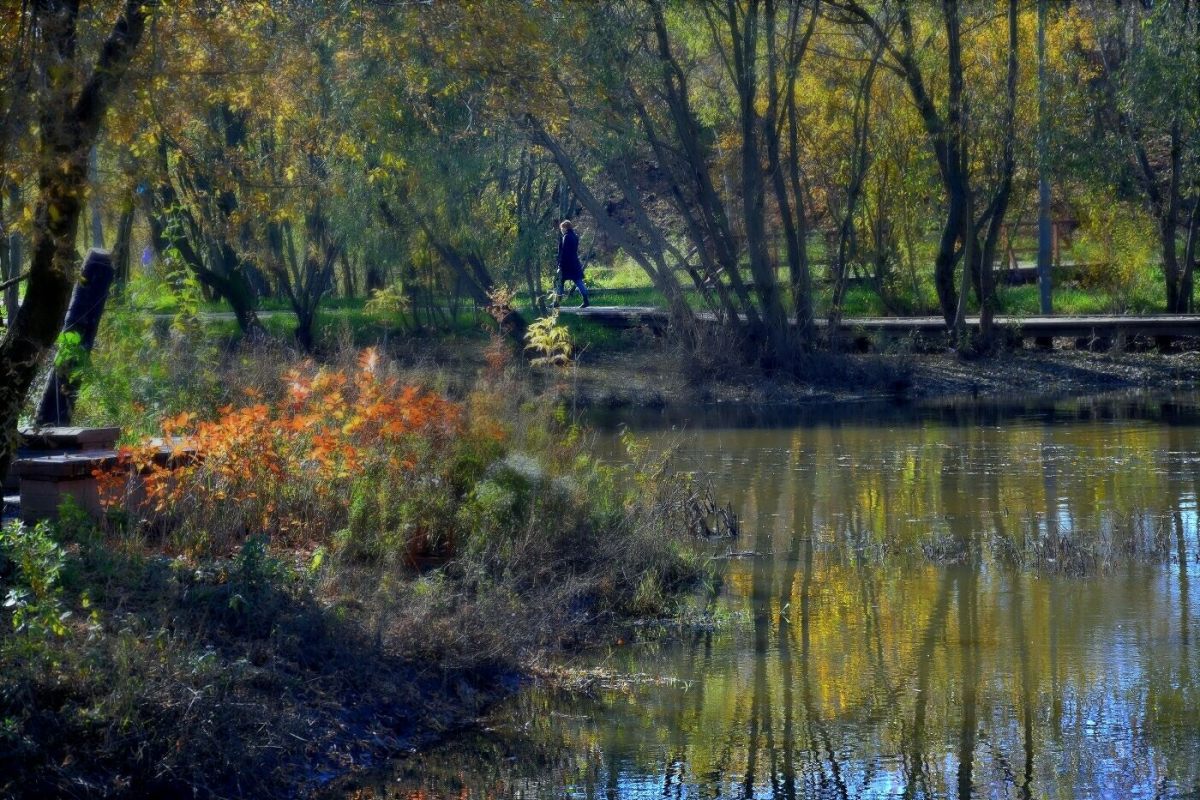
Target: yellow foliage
[[550, 340]]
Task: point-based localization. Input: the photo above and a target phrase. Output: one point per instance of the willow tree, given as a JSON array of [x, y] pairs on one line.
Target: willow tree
[[70, 109], [188, 127], [977, 185], [648, 131], [1148, 59]]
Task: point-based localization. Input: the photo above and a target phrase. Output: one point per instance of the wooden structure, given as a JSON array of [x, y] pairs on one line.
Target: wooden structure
[[55, 464], [46, 482], [37, 442], [1061, 232], [61, 454]]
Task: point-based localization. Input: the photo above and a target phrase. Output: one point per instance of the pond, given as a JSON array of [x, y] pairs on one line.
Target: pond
[[945, 601]]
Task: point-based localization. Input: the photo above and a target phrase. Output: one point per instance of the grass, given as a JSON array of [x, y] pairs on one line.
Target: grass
[[1025, 300]]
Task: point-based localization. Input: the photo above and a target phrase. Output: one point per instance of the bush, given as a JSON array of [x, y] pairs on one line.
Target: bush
[[30, 566], [285, 469], [1118, 244]]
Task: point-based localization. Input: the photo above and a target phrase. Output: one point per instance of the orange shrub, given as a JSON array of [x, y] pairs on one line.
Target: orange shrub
[[284, 468]]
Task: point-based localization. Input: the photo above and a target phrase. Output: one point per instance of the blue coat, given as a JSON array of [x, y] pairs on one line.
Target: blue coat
[[569, 264]]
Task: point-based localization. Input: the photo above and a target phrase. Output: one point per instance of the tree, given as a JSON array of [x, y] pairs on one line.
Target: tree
[[648, 121], [16, 146], [951, 126], [70, 110], [1148, 59]]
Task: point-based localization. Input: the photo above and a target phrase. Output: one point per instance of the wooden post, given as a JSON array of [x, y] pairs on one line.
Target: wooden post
[[83, 318]]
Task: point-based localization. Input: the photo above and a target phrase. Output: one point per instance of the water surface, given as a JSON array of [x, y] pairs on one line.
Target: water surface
[[985, 601]]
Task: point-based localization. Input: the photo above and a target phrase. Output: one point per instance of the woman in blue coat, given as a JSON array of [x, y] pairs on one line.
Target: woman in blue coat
[[570, 268]]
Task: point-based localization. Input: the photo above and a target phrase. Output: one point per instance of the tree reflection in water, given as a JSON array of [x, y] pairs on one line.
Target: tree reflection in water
[[943, 607]]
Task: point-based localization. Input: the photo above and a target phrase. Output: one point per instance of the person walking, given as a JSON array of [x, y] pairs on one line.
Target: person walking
[[569, 266]]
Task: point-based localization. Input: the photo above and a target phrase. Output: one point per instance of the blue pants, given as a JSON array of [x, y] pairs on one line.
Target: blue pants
[[579, 284]]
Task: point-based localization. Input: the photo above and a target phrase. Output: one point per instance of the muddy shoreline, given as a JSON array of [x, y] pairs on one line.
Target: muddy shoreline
[[617, 380]]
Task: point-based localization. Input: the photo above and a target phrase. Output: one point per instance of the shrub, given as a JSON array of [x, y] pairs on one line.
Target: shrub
[[381, 476], [286, 468], [30, 565]]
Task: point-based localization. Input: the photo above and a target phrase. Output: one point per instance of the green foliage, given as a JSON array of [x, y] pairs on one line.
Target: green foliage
[[1118, 243], [71, 356], [387, 303], [31, 562], [145, 367]]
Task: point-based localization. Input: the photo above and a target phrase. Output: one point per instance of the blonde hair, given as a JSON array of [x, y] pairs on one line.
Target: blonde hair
[[565, 225]]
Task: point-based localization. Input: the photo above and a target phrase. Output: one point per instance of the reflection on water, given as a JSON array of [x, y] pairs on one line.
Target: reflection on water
[[966, 604]]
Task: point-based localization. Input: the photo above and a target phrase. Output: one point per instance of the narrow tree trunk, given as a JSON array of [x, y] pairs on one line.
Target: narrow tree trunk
[[1189, 256], [121, 254], [348, 290], [83, 319], [858, 174], [1168, 226], [1167, 232], [94, 198], [964, 287], [999, 206], [7, 272], [762, 266], [16, 256], [1043, 144], [795, 227]]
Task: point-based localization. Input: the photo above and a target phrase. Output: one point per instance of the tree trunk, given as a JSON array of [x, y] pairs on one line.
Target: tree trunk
[[233, 287], [1189, 257], [7, 272], [795, 225], [861, 163], [713, 228], [69, 126], [16, 257], [122, 255], [999, 206], [1043, 144], [94, 198], [348, 289], [968, 256], [83, 318], [1168, 226], [762, 266]]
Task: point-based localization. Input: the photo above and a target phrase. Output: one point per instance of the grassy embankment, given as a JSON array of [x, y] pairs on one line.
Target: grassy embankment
[[357, 563]]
